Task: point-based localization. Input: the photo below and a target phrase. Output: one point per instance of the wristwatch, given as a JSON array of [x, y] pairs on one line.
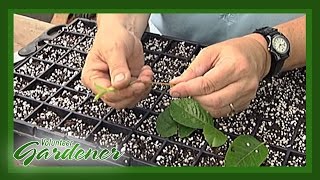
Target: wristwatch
[[278, 46]]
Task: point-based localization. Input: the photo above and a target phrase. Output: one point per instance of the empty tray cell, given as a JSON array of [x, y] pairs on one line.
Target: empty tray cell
[[174, 155], [196, 140], [277, 132], [171, 65], [182, 49], [59, 75], [161, 78], [77, 126], [77, 85], [206, 160], [275, 157], [108, 135], [67, 99], [283, 98], [163, 103], [23, 107], [148, 125], [296, 160], [149, 101], [39, 90], [50, 53], [20, 82], [97, 109], [150, 58], [73, 59], [66, 40], [221, 150], [126, 117], [82, 27], [153, 43], [33, 67], [141, 147], [47, 117], [85, 45], [238, 124], [299, 142]]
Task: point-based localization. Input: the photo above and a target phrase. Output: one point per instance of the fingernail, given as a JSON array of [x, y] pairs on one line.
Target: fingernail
[[174, 94], [119, 77]]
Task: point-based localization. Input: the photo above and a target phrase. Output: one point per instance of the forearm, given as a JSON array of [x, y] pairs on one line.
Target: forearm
[[135, 23], [295, 31]]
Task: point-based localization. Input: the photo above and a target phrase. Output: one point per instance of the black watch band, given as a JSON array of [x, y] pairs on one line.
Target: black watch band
[[277, 58]]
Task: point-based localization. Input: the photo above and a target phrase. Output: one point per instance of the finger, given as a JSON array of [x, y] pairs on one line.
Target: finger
[[94, 72], [202, 63], [214, 80], [130, 102], [119, 70], [146, 75], [133, 90], [229, 94], [137, 88], [239, 105]]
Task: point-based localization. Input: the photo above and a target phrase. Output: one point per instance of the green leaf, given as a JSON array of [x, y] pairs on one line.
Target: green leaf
[[213, 136], [184, 131], [166, 126], [246, 151], [102, 91], [189, 113]]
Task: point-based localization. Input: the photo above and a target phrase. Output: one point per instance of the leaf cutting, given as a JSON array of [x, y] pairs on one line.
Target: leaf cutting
[[102, 91], [183, 117], [246, 151]]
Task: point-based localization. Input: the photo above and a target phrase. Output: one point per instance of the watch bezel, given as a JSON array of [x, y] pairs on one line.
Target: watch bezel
[[286, 41]]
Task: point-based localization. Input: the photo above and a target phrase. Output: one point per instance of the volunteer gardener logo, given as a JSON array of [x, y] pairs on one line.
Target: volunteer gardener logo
[[61, 150]]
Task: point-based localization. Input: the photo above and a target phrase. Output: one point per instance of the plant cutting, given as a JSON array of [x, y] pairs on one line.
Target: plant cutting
[[184, 116], [102, 90]]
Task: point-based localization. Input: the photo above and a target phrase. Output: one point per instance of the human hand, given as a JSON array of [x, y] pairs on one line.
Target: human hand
[[116, 59], [225, 73]]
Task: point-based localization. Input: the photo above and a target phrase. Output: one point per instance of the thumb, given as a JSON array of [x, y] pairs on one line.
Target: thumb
[[119, 71], [201, 64]]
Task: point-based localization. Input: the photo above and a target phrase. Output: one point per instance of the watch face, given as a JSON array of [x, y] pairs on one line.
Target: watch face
[[280, 44]]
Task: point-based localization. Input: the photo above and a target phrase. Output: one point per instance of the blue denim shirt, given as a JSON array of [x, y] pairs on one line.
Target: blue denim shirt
[[214, 27]]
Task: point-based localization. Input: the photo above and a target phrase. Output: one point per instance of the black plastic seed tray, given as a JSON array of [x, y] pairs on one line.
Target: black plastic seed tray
[[51, 102]]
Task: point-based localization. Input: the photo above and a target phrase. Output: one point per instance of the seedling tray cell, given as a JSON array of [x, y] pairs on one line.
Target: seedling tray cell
[[176, 156], [20, 81], [277, 115], [51, 53], [65, 39], [141, 146], [33, 67], [59, 75], [97, 109], [39, 90], [108, 135], [73, 60], [148, 125], [126, 117], [209, 160], [47, 117], [77, 85], [67, 99], [85, 45], [77, 126]]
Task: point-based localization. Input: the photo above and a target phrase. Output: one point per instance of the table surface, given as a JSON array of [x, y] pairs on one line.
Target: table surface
[[27, 29]]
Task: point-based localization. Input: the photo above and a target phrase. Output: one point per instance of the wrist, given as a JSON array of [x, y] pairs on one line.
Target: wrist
[[107, 22], [263, 45]]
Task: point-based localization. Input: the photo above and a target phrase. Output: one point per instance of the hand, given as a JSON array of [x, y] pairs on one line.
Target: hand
[[225, 73], [115, 59]]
